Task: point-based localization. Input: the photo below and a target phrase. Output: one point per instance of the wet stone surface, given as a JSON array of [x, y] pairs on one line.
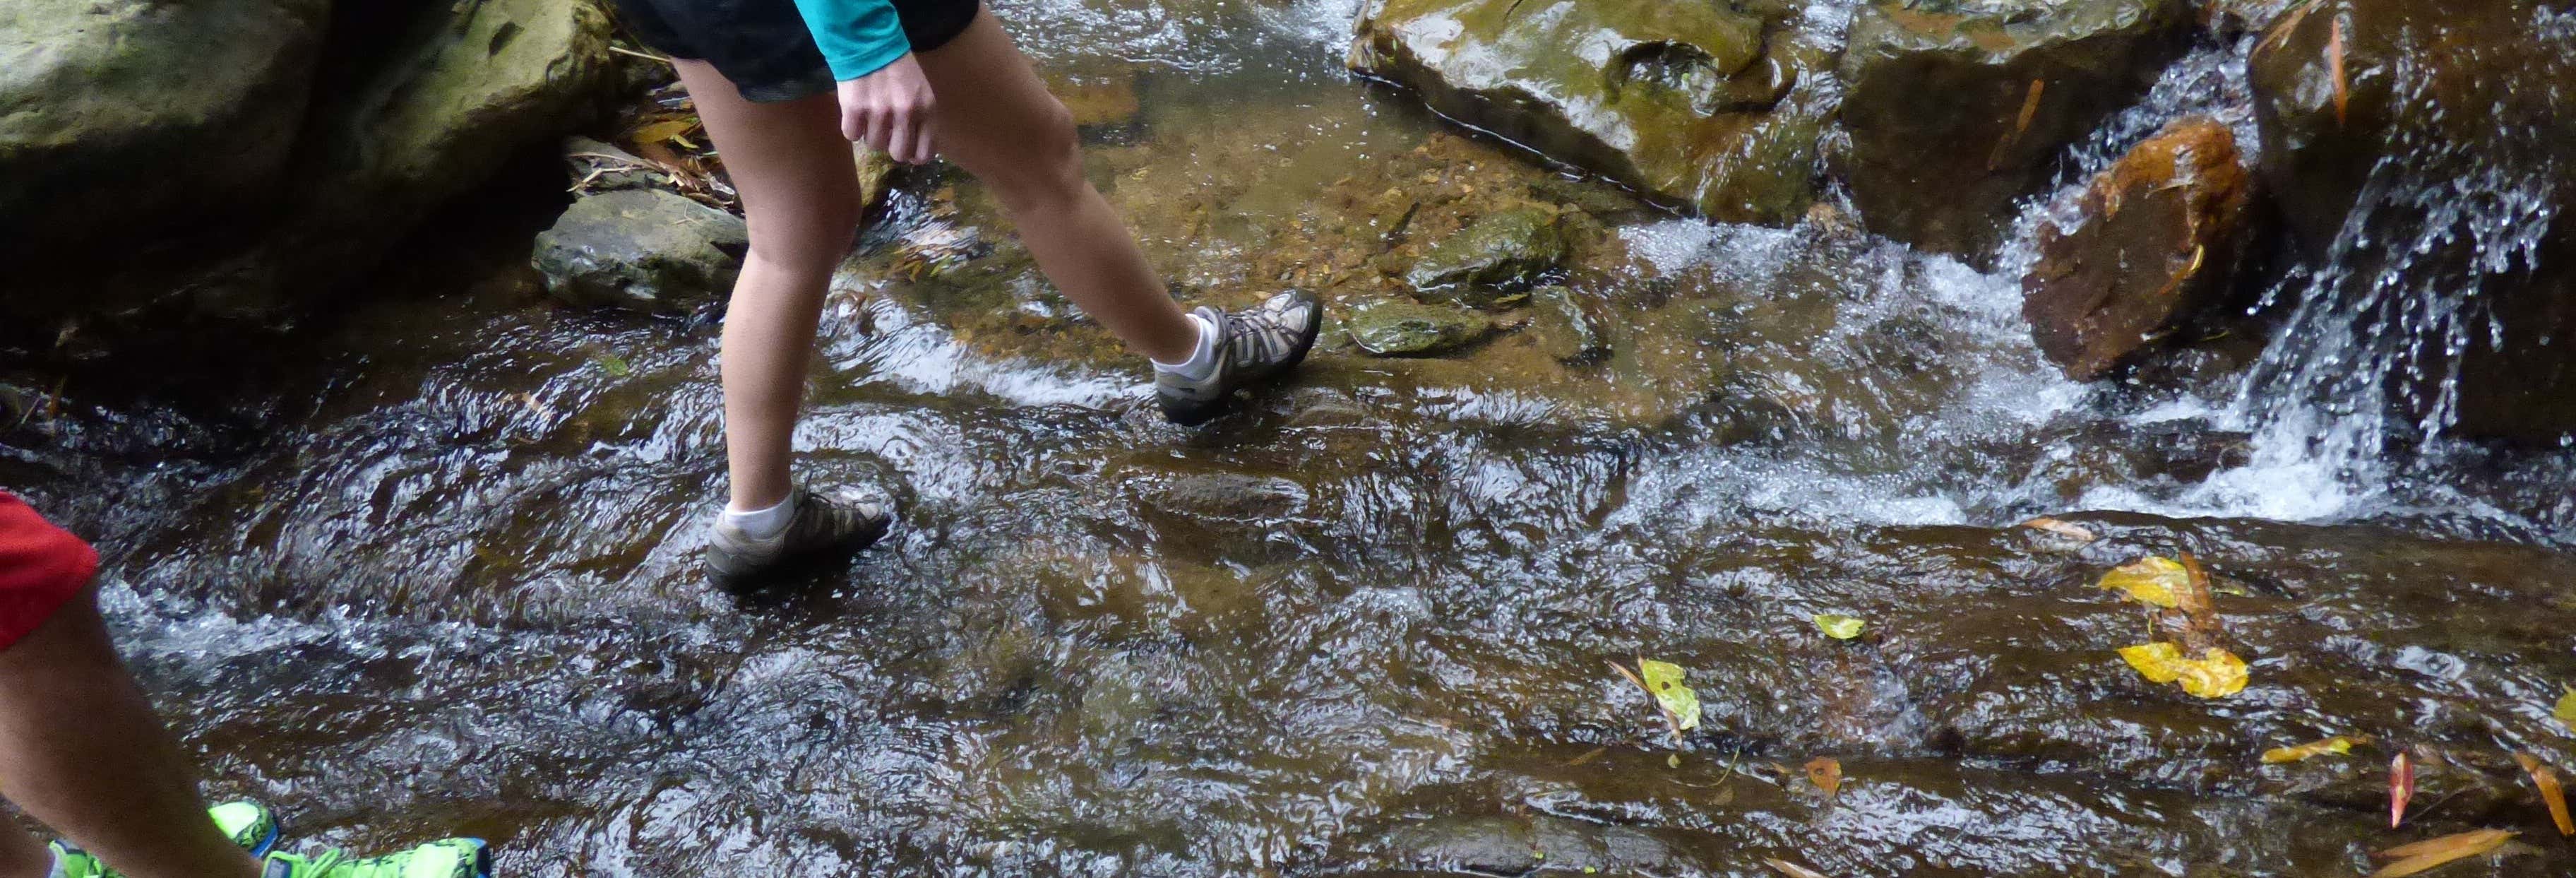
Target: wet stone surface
[[424, 566]]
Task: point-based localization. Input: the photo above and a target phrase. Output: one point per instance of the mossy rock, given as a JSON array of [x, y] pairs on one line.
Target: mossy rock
[[1499, 253], [1396, 328], [643, 249], [1688, 102]]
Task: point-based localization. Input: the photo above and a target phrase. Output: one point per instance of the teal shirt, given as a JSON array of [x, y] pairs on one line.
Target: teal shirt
[[858, 37]]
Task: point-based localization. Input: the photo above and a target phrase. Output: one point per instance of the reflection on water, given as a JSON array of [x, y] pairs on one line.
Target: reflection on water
[[423, 567]]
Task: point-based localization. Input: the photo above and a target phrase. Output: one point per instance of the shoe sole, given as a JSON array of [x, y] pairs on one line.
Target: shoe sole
[[1192, 414]]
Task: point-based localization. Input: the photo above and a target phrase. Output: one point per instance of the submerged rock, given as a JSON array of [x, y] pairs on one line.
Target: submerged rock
[[1504, 252], [2423, 155], [1396, 328], [644, 249], [1690, 102], [1958, 109], [145, 117], [1567, 325], [2154, 243]]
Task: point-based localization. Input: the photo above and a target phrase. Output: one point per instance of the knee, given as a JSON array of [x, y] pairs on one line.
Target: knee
[[1046, 163]]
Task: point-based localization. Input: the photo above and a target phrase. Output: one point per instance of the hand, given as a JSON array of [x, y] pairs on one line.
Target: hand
[[890, 110]]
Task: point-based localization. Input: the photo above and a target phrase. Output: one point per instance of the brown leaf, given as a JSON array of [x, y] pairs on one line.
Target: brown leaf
[[2193, 597], [1826, 773], [2420, 856], [1792, 870], [2334, 65], [666, 129], [2401, 787], [2069, 530], [2551, 794]]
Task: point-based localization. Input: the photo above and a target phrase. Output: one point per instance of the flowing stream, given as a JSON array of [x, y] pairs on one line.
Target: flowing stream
[[424, 565]]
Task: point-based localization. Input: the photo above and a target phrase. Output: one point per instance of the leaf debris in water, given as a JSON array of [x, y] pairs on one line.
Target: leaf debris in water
[[1792, 870], [2338, 745], [2069, 530], [2401, 788], [1826, 773], [613, 364], [2551, 794], [1837, 626], [1664, 681], [2420, 856], [2566, 710], [2217, 673], [2153, 580]]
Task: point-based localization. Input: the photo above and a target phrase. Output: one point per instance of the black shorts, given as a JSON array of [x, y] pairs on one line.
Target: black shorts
[[763, 46]]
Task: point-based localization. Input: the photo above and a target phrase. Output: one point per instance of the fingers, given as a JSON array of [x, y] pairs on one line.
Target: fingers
[[899, 135], [921, 149]]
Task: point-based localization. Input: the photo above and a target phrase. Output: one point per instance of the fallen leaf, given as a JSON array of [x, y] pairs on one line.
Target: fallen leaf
[[1663, 680], [667, 129], [2150, 580], [1792, 870], [1826, 773], [2217, 673], [2076, 532], [612, 364], [2401, 787], [2420, 856], [1673, 760], [2551, 794], [2192, 597], [1838, 627], [2334, 65], [2338, 745], [2566, 710]]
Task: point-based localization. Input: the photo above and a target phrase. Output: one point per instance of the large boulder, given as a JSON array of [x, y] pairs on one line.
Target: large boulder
[[464, 88], [2423, 153], [1695, 103], [1957, 109], [645, 249], [2153, 241], [145, 117]]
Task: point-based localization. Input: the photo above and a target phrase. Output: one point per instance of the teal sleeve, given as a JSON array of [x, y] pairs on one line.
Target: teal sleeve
[[858, 37]]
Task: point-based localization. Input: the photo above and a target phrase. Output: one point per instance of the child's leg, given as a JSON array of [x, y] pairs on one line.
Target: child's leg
[[996, 120], [22, 856], [81, 751], [800, 196]]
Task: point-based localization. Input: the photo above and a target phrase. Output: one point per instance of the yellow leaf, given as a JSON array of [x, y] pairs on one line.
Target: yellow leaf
[[1664, 681], [2423, 855], [2551, 793], [2338, 745], [667, 129], [2566, 711], [1838, 627], [2217, 673], [1826, 773], [2149, 580]]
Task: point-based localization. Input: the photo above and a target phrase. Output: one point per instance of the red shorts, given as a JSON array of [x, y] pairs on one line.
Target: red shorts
[[41, 568]]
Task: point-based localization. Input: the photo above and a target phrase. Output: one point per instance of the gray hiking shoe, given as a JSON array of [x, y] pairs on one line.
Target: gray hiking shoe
[[1255, 344], [842, 519]]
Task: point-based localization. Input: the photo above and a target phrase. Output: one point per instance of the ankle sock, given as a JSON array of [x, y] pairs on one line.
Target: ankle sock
[[762, 524], [57, 870], [1202, 361]]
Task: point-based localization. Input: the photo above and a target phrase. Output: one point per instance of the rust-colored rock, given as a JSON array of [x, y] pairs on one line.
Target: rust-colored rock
[[2155, 243]]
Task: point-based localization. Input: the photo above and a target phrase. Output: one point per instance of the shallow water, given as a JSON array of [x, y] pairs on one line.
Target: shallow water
[[424, 566]]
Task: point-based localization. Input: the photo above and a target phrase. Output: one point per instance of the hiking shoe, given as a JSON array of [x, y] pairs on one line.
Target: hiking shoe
[[446, 858], [843, 519], [1254, 344], [249, 824]]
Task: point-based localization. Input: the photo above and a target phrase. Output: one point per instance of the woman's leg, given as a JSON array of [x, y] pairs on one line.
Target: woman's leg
[[800, 196], [996, 120]]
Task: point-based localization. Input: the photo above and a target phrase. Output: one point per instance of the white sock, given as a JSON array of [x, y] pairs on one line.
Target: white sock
[[1202, 361], [762, 524], [57, 870]]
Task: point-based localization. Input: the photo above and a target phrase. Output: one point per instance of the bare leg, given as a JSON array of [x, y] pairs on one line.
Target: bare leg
[[81, 751], [996, 120], [22, 856], [801, 199]]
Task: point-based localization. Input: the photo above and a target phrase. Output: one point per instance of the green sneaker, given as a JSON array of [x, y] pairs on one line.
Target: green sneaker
[[249, 824], [446, 858]]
